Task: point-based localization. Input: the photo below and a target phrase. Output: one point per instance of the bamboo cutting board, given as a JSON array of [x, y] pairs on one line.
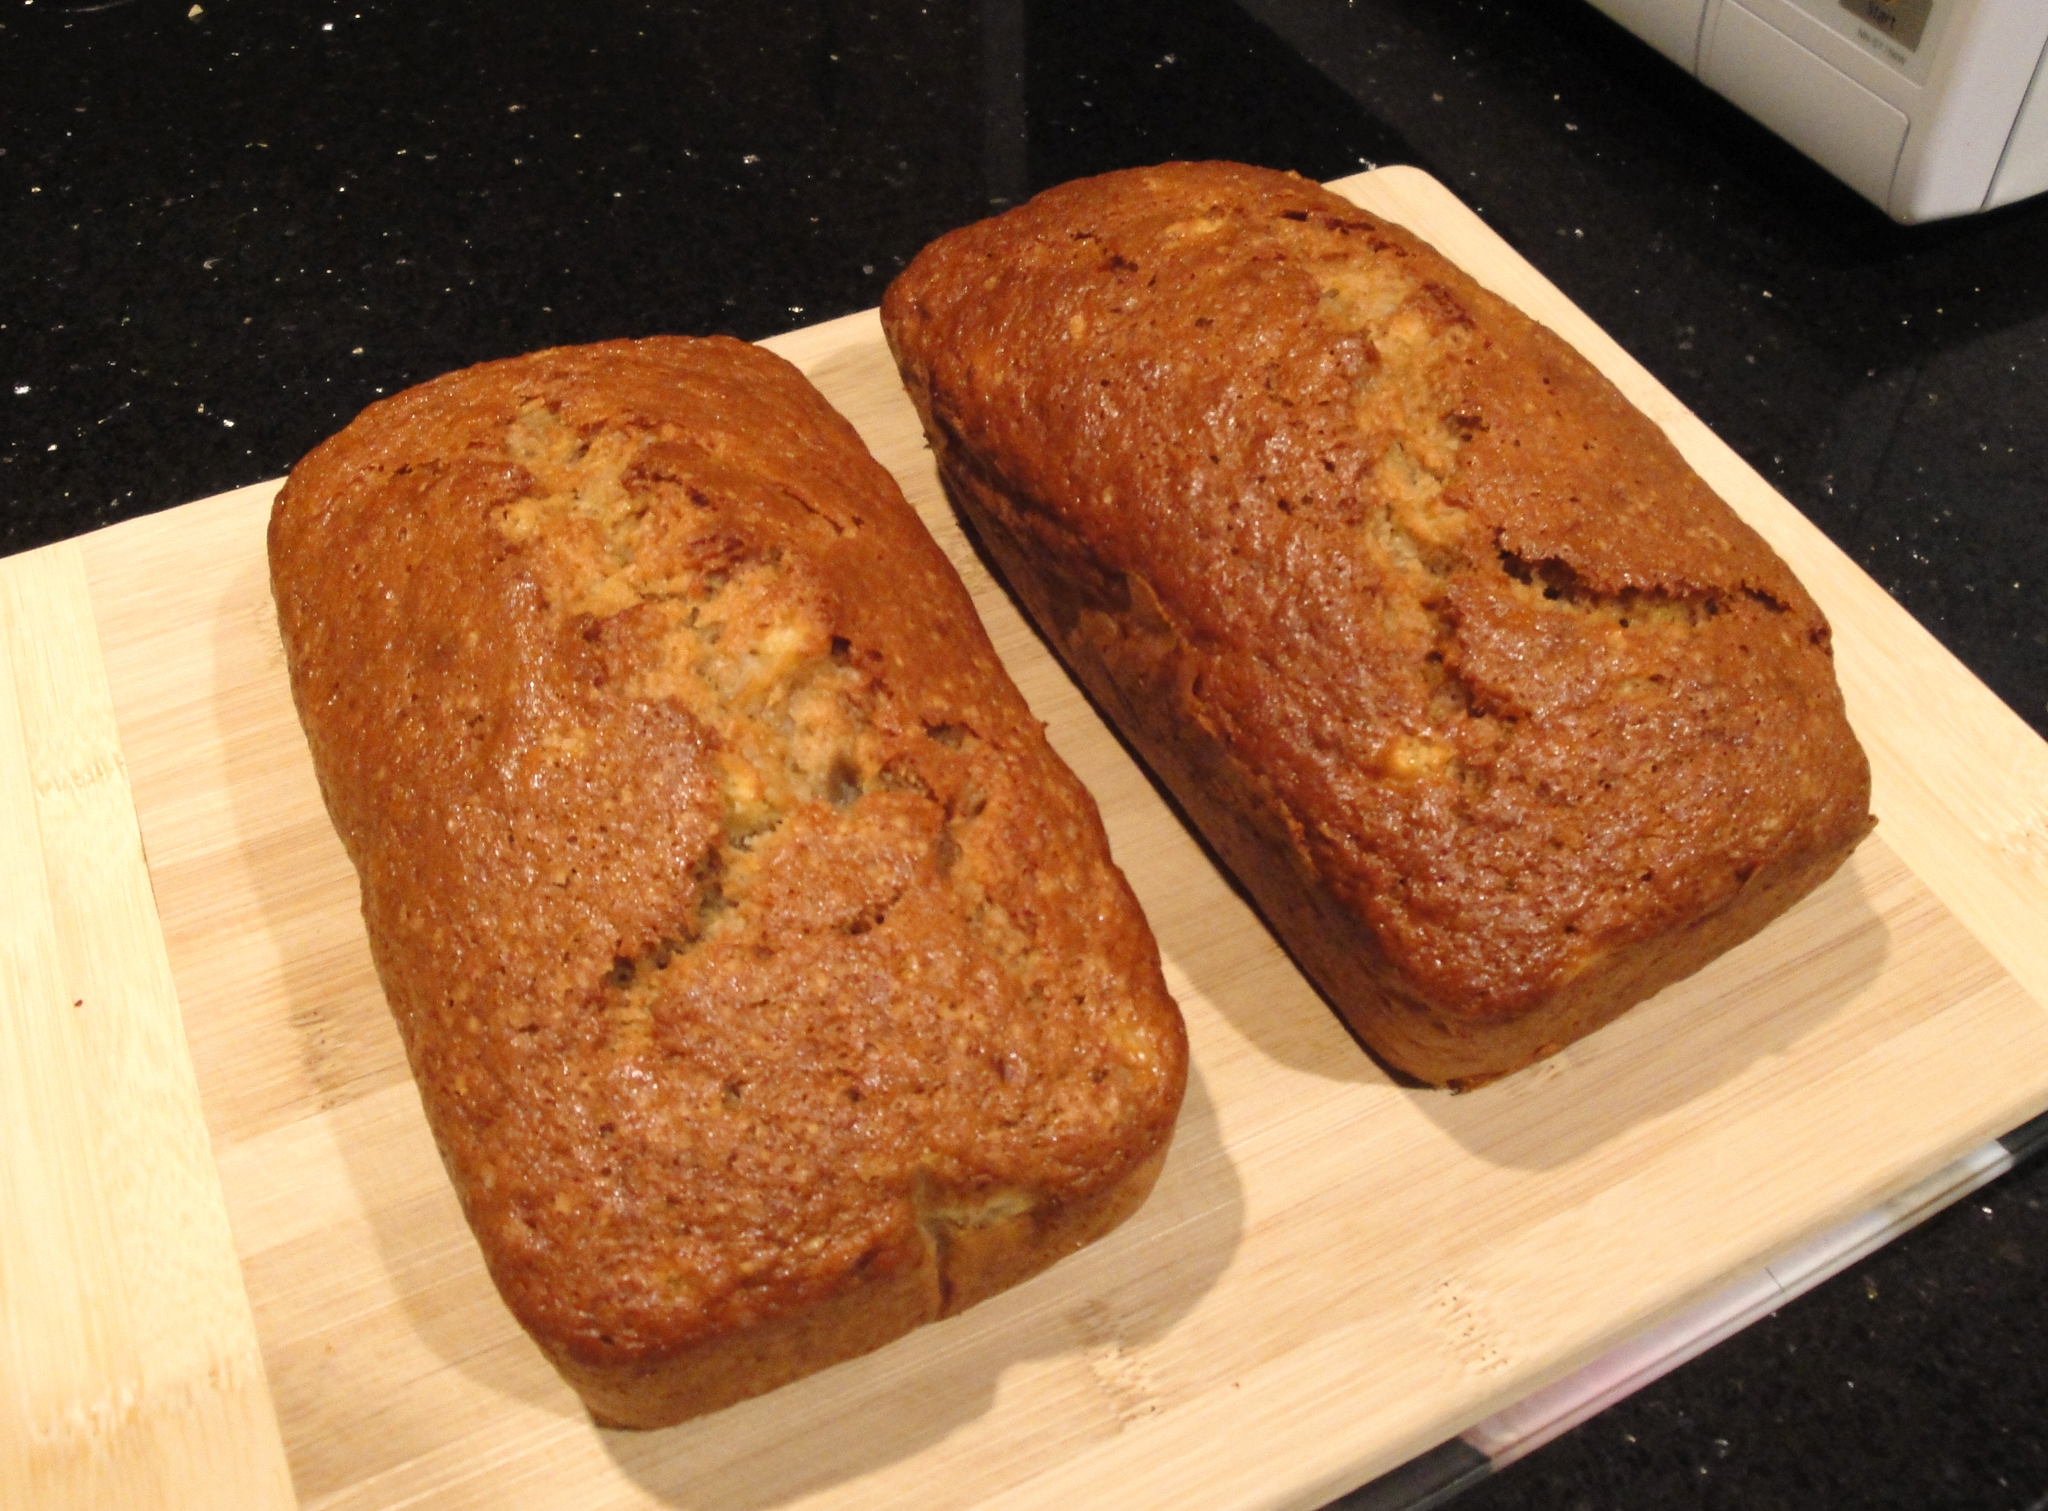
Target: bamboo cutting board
[[1334, 1273]]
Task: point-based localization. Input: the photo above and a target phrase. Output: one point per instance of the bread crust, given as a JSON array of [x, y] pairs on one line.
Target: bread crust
[[766, 977], [1504, 720]]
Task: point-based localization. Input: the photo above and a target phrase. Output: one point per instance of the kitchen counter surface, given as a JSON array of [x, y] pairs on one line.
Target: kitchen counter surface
[[230, 225]]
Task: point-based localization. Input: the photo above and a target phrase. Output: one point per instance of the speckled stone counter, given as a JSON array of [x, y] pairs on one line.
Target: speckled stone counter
[[229, 225]]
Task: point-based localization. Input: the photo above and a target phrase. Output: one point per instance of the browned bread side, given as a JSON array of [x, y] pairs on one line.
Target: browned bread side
[[767, 980], [1503, 718]]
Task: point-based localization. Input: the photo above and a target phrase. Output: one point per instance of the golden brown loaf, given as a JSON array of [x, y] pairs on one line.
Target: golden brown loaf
[[766, 977], [1503, 718]]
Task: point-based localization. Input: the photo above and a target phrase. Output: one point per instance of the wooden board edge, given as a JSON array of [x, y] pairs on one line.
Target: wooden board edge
[[129, 1347], [113, 550]]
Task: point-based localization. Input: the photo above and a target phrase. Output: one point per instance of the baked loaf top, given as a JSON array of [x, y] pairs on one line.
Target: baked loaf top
[[751, 947], [1497, 671]]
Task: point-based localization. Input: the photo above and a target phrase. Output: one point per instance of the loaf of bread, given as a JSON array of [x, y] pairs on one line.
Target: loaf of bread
[[1504, 720], [766, 977]]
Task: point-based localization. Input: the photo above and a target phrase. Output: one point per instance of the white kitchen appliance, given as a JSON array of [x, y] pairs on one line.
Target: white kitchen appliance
[[1929, 108]]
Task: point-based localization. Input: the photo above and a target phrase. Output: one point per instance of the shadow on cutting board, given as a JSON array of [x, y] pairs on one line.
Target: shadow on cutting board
[[1805, 991], [426, 1364]]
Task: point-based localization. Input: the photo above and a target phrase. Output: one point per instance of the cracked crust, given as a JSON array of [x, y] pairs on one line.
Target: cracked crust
[[1503, 718], [766, 977]]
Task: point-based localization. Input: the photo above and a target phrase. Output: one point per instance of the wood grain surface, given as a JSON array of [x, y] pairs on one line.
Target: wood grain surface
[[1334, 1273], [129, 1368]]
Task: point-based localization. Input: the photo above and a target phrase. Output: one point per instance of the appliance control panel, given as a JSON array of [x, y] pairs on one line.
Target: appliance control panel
[[1902, 34]]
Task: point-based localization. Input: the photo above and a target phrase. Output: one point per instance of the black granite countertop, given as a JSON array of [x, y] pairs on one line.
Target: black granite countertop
[[229, 225]]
